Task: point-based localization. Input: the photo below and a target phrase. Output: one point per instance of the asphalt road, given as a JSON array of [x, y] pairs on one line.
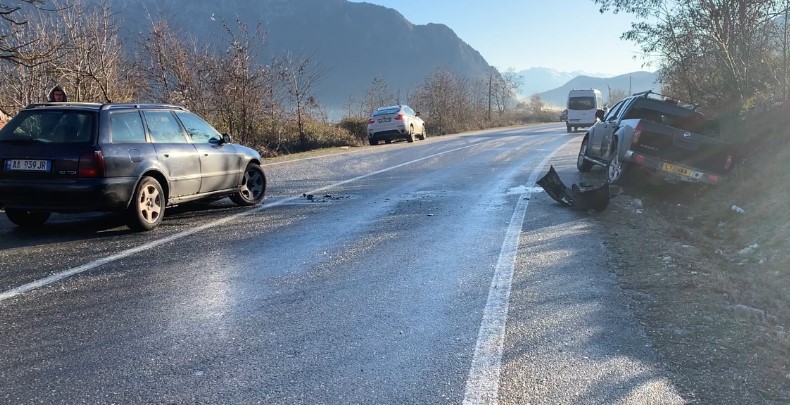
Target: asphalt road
[[430, 272]]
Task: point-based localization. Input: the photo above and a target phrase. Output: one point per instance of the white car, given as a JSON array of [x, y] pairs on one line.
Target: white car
[[395, 122]]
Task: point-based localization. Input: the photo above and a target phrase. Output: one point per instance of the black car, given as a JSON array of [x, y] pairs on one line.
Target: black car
[[131, 158]]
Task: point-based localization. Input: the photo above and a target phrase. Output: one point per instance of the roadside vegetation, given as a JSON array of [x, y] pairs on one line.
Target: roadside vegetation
[[269, 105], [712, 281]]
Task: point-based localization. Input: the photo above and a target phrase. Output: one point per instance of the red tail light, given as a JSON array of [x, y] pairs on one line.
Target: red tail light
[[399, 117], [637, 133], [728, 163], [91, 164]]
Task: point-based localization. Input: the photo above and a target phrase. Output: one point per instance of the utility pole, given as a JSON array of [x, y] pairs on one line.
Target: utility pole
[[490, 78]]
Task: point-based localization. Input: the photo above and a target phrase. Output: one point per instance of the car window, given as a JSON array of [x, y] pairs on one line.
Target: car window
[[163, 127], [610, 116], [50, 126], [581, 103], [127, 127], [199, 130], [408, 110], [385, 111]]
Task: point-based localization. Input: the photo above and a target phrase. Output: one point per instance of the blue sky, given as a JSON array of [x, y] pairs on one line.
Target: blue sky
[[565, 35]]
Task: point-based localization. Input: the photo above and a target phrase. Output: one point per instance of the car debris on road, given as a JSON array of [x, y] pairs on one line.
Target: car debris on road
[[580, 196]]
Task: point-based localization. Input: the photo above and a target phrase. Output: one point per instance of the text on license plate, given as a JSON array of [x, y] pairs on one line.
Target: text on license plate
[[670, 168], [30, 165], [384, 120]]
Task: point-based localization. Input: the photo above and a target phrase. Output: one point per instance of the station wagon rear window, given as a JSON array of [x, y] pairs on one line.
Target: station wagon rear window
[[50, 126]]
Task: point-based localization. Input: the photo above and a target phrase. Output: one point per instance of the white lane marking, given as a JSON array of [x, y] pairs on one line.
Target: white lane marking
[[482, 384], [150, 245]]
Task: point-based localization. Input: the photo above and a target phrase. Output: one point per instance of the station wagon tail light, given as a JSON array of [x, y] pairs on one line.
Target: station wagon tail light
[[637, 133], [91, 164], [399, 117]]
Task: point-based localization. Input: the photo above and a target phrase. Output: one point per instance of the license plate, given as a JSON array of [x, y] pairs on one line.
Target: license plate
[[670, 168], [385, 120], [27, 165]]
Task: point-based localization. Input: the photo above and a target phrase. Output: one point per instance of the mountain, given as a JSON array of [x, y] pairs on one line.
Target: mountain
[[627, 83], [353, 42], [539, 79]]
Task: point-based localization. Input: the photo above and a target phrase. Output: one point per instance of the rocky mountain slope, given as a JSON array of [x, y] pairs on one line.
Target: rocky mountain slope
[[353, 42]]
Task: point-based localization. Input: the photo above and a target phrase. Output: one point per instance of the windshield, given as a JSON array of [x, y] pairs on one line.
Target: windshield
[[50, 126], [581, 103]]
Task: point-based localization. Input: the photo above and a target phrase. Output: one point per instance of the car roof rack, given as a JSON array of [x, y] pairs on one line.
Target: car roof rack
[[669, 99], [141, 105], [107, 106]]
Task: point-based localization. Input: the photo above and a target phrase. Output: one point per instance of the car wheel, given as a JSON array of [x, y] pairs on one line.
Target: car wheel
[[148, 206], [423, 135], [26, 219], [581, 163], [614, 170], [373, 142], [410, 135], [568, 127], [253, 186]]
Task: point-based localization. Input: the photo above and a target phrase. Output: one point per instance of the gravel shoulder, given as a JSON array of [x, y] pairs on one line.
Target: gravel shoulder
[[710, 298]]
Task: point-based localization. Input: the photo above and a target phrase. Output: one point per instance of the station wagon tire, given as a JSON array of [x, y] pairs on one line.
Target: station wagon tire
[[148, 206], [253, 186], [582, 164], [26, 219]]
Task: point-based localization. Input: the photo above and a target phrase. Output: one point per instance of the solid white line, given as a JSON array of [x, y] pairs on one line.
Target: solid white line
[[482, 385], [150, 245]]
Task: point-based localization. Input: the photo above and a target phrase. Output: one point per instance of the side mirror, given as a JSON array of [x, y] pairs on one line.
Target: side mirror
[[225, 139], [417, 114]]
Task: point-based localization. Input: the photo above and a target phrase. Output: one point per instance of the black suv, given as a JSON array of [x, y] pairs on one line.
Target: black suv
[[130, 158]]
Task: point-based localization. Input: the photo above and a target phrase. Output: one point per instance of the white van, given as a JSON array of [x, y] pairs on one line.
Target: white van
[[582, 105]]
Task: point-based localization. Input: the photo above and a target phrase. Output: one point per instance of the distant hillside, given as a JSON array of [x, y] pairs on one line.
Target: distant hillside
[[539, 79], [354, 42], [629, 83]]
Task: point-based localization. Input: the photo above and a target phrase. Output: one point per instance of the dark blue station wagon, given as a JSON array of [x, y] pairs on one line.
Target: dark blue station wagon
[[136, 159]]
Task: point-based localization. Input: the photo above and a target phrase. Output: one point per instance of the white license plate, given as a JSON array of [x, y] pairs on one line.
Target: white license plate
[[385, 120], [28, 165]]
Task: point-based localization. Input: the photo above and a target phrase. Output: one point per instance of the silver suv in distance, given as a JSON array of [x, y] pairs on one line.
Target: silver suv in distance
[[395, 122], [136, 159]]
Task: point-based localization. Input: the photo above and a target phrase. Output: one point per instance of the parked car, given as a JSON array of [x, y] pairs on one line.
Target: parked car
[[656, 134], [395, 122], [564, 115], [136, 159]]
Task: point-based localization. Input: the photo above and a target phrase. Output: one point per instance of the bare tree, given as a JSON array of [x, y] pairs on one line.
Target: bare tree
[[300, 74], [378, 95], [712, 51], [15, 46]]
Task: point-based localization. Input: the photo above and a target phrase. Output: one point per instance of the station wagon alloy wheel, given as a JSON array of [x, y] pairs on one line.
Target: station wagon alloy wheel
[[147, 208], [253, 186]]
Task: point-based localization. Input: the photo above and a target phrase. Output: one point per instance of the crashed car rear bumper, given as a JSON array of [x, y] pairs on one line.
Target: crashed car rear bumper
[[671, 171]]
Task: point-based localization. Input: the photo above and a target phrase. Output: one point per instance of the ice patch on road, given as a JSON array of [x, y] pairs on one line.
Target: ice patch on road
[[524, 190]]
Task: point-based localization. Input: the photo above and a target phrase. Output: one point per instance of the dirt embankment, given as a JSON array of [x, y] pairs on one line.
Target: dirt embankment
[[708, 269]]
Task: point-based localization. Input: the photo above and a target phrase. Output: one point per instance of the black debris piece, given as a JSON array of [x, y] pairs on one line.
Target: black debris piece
[[582, 197]]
